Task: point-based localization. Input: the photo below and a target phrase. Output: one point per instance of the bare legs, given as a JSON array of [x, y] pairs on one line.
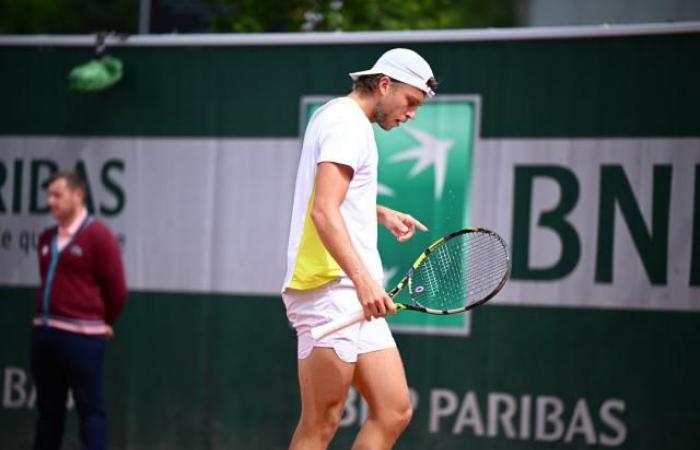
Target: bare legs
[[380, 378], [324, 380]]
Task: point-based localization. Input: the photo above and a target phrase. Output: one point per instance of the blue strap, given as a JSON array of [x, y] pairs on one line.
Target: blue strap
[[49, 276]]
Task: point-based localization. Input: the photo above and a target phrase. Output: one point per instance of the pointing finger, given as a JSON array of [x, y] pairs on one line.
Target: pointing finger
[[419, 225]]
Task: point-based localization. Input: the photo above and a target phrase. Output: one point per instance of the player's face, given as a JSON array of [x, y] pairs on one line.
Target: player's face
[[399, 103], [63, 201]]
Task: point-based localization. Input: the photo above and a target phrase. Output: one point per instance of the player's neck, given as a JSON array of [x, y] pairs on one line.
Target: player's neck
[[367, 103]]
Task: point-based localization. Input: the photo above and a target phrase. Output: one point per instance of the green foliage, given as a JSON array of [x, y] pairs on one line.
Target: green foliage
[[258, 16], [361, 15], [68, 16]]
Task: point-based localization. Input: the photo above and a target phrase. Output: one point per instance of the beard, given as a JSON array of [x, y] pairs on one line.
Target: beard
[[380, 117]]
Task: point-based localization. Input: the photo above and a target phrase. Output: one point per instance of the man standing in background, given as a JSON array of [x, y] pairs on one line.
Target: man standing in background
[[83, 291]]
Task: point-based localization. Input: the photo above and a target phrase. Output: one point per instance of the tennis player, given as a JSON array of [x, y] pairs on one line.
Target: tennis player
[[334, 268]]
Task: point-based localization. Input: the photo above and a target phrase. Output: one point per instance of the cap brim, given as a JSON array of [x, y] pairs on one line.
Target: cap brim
[[356, 75]]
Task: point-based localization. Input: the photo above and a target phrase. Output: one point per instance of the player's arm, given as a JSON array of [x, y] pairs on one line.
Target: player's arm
[[402, 226], [332, 183]]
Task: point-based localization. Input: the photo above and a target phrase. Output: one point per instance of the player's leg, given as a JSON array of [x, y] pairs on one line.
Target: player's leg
[[326, 366], [380, 378], [324, 380]]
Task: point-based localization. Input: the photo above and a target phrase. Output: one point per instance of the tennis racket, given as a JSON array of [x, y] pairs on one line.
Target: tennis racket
[[456, 273]]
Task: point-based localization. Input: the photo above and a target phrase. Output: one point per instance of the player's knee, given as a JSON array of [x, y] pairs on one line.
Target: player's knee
[[332, 418], [324, 425], [396, 419], [328, 426], [403, 417]]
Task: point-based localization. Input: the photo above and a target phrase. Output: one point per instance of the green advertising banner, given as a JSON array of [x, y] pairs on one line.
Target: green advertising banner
[[563, 141]]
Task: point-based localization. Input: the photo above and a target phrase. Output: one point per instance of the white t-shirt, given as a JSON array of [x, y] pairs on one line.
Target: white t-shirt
[[338, 132]]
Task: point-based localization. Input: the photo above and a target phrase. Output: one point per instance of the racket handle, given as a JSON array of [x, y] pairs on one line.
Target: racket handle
[[324, 330]]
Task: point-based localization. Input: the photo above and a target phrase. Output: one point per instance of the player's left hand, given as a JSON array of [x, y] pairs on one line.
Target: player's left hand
[[402, 226]]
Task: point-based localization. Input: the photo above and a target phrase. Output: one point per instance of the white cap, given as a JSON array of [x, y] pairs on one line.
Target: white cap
[[402, 65]]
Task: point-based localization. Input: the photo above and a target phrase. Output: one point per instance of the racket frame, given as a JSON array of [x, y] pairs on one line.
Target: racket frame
[[407, 281]]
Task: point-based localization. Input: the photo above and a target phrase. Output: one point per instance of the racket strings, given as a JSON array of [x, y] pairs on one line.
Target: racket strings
[[463, 270]]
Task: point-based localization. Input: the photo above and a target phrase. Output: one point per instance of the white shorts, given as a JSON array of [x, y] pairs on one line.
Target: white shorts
[[307, 309]]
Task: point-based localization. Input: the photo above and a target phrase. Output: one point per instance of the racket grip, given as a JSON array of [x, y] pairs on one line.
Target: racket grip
[[324, 330]]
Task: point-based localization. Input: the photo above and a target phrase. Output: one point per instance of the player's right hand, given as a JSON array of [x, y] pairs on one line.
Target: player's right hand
[[374, 300]]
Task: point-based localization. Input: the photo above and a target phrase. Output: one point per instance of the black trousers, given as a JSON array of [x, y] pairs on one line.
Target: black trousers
[[60, 361]]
